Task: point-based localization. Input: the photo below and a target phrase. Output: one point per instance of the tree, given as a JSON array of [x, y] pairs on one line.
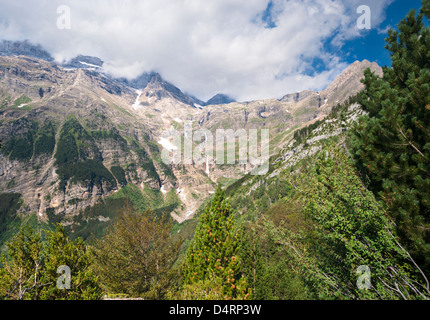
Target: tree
[[30, 270], [348, 229], [214, 253], [391, 143], [136, 256], [74, 257], [268, 268], [20, 275]]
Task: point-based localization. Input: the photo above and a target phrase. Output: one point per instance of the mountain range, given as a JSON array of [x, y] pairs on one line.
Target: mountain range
[[76, 142]]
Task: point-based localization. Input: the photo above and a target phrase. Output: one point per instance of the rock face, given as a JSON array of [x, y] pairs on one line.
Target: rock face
[[85, 62], [349, 81], [220, 99], [24, 48], [296, 97], [73, 137], [139, 82]]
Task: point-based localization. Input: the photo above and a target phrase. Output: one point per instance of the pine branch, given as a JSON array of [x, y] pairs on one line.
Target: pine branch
[[410, 143]]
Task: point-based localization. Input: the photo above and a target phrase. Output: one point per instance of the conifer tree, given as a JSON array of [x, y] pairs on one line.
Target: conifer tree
[[392, 142], [214, 254]]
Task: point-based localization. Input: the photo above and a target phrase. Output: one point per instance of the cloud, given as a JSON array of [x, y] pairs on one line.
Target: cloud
[[249, 49], [385, 30]]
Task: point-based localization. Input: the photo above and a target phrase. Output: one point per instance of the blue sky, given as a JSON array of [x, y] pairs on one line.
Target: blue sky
[[248, 49], [371, 45]]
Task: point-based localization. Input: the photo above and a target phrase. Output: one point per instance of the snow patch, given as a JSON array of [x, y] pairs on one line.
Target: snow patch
[[89, 64], [167, 144], [163, 190], [325, 102], [136, 103]]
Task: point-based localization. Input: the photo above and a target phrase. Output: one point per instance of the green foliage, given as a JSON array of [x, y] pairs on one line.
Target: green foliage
[[119, 174], [19, 275], [338, 110], [21, 100], [53, 217], [87, 223], [67, 150], [75, 144], [301, 134], [29, 271], [136, 256], [252, 203], [45, 142], [89, 172], [149, 199], [347, 228], [215, 250], [207, 289], [21, 148], [111, 134], [20, 145], [93, 221], [60, 251], [78, 159], [9, 205], [391, 143], [426, 8], [29, 138], [268, 268]]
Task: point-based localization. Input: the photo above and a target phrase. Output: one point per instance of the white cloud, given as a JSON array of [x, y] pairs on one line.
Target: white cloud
[[385, 30], [203, 47]]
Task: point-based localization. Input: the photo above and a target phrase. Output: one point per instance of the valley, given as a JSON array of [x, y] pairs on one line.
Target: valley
[[75, 138]]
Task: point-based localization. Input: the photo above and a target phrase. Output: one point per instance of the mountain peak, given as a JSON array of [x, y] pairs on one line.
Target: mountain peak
[[158, 88], [85, 62], [350, 78], [220, 99], [24, 48]]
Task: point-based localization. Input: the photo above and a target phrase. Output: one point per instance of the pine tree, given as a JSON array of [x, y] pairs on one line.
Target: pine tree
[[392, 142], [214, 254]]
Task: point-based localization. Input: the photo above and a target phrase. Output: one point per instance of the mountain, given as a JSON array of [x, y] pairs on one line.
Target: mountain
[[77, 143], [339, 90], [157, 89], [86, 62], [220, 99], [139, 82], [25, 48], [70, 138]]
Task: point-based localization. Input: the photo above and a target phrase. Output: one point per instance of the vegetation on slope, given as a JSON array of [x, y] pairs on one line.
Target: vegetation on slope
[[391, 143]]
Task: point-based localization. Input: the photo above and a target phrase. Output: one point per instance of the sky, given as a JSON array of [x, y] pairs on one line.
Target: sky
[[247, 49]]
